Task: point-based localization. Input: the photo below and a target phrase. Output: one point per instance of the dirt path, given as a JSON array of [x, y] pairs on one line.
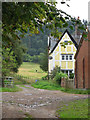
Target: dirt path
[[38, 103]]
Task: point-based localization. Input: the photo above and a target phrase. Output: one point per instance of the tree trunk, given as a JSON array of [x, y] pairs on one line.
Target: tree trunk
[[2, 82]]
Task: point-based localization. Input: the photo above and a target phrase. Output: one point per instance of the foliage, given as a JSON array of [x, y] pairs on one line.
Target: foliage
[[8, 62], [35, 58], [18, 80], [37, 43], [51, 85], [45, 77], [54, 71], [75, 109], [27, 58], [44, 61], [44, 84], [12, 53], [71, 76], [22, 16], [58, 77], [30, 16]]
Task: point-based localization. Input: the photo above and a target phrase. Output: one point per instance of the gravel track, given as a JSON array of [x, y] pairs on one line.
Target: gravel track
[[38, 103]]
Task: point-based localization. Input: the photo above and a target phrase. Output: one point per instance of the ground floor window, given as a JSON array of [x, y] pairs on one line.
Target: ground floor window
[[68, 72]]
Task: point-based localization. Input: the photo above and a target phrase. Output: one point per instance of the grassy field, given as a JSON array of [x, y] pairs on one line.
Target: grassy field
[[75, 109], [27, 74], [28, 69]]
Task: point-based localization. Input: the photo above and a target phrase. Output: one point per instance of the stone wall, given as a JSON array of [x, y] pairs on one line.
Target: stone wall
[[67, 83]]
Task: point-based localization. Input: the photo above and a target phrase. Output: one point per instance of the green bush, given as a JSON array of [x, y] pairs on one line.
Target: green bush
[[58, 77], [45, 77], [71, 76], [54, 72]]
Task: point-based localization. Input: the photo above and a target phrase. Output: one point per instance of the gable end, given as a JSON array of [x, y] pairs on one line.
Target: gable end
[[76, 45]]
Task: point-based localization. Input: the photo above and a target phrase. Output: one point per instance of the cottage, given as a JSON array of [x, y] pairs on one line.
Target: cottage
[[82, 64], [60, 56]]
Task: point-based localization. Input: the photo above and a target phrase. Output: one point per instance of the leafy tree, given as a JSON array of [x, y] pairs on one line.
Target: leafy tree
[[27, 58], [44, 61], [54, 71], [15, 50], [33, 15], [8, 62], [30, 16]]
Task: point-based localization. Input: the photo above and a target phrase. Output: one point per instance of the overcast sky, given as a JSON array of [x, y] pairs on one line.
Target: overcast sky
[[77, 8]]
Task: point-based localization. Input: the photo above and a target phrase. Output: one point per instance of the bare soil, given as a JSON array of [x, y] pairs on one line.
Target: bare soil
[[38, 103]]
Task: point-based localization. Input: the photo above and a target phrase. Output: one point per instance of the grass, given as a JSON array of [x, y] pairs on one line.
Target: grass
[[50, 85], [75, 109], [44, 84], [76, 91], [8, 89], [26, 75], [28, 70], [28, 116], [25, 86]]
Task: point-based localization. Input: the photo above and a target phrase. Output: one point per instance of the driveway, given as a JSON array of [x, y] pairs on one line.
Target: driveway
[[38, 103]]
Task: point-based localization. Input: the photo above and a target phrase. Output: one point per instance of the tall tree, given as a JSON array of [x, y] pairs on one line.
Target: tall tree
[[24, 16]]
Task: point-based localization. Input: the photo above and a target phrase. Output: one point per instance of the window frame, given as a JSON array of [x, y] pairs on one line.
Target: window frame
[[66, 58]]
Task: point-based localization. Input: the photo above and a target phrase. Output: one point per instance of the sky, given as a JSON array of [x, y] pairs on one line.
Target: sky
[[77, 8]]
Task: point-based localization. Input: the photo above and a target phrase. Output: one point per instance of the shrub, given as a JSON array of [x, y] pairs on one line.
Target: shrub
[[54, 72], [45, 77], [58, 77], [71, 76]]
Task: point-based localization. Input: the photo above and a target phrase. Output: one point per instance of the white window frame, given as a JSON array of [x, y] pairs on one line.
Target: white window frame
[[66, 58]]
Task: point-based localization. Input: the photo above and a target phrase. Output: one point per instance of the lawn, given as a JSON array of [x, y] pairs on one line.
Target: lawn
[[13, 89], [28, 69], [74, 109]]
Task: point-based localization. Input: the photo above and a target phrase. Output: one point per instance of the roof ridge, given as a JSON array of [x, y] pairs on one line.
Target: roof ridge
[[76, 45]]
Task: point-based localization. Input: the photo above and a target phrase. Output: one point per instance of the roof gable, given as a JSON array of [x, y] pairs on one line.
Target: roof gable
[[66, 31], [80, 44]]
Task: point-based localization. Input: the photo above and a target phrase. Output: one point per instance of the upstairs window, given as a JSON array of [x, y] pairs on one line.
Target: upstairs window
[[67, 57]]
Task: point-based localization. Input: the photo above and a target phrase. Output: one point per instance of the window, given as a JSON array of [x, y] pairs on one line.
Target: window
[[63, 71], [70, 72], [63, 57], [70, 57], [67, 57], [65, 41], [67, 72]]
